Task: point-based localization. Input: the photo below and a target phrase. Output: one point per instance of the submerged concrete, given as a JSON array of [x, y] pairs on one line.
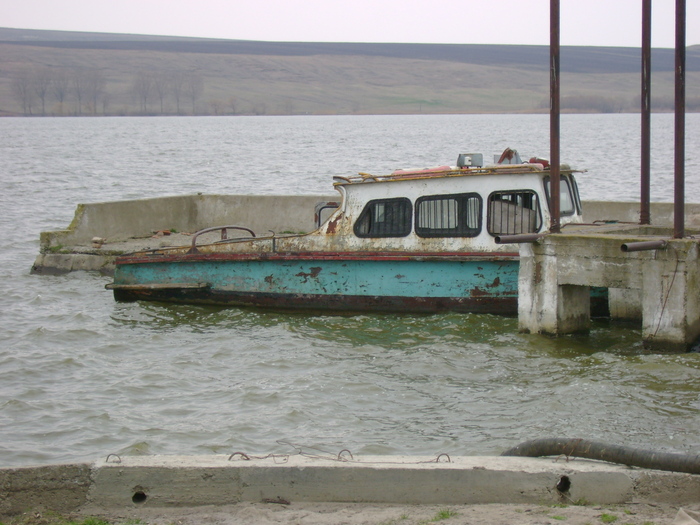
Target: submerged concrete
[[557, 272], [189, 481]]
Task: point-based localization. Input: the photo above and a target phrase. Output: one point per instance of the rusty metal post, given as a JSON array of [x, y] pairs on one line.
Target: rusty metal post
[[679, 131], [555, 164], [645, 196]]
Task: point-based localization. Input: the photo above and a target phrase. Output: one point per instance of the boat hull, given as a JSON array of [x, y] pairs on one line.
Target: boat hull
[[326, 282]]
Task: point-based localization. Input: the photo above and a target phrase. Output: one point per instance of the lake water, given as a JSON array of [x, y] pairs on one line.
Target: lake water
[[82, 376]]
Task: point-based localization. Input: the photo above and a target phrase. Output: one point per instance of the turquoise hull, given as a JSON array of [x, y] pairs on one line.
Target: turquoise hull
[[373, 282]]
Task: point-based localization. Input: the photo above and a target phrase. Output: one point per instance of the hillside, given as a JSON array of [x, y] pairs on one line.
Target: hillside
[[67, 73]]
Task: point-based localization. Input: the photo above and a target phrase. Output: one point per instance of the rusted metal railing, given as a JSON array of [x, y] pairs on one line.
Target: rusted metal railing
[[224, 234]]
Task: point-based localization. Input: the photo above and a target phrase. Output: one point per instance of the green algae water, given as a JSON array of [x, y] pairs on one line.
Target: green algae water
[[82, 377]]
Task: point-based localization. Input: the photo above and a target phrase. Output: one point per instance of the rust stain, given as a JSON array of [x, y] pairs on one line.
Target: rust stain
[[332, 226], [313, 273], [399, 276], [538, 273], [269, 279], [496, 282]]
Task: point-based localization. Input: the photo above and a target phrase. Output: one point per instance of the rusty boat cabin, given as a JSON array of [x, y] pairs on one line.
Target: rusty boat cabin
[[415, 240]]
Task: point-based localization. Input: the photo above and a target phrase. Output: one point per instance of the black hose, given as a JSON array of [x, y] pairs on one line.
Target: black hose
[[582, 448]]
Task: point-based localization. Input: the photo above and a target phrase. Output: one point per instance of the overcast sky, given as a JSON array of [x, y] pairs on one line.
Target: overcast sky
[[583, 22]]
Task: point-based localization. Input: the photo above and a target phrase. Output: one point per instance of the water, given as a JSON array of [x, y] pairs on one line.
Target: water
[[82, 376]]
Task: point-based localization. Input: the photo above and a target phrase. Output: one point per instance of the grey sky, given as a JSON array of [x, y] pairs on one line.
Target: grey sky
[[584, 22]]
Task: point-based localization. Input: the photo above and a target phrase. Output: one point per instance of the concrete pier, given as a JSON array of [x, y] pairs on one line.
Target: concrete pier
[[659, 286]]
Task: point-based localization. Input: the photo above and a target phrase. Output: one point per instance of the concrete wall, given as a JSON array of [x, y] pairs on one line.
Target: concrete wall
[[121, 220], [661, 212]]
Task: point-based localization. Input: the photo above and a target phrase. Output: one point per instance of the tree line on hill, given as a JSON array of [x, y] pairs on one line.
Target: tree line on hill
[[84, 91], [64, 91]]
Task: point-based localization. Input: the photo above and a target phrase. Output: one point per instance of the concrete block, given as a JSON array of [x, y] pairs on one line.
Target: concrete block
[[191, 481], [625, 303]]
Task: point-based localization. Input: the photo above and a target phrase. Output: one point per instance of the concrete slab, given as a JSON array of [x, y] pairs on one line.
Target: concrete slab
[[166, 481]]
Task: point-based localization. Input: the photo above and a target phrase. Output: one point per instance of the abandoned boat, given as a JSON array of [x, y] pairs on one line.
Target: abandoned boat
[[417, 240]]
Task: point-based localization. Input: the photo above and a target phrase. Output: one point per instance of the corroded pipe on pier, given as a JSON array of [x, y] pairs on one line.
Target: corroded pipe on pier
[[643, 246], [516, 239]]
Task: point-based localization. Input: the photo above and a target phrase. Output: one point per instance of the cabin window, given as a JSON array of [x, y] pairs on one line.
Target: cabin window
[[513, 212], [456, 215], [569, 200], [385, 218]]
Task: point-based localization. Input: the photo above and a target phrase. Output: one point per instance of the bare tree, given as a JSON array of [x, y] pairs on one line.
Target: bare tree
[[194, 86], [22, 91], [41, 83], [94, 87], [217, 106], [161, 82], [142, 88], [79, 85], [59, 87], [260, 109], [105, 103], [177, 84]]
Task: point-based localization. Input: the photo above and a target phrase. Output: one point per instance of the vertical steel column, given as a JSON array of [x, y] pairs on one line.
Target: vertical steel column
[[554, 111], [645, 215], [679, 131]]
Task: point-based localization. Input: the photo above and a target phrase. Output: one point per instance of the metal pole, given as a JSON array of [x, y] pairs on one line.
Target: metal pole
[[554, 112], [679, 131], [645, 215]]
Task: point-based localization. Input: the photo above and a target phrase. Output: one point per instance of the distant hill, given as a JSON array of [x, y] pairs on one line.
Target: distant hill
[[55, 72]]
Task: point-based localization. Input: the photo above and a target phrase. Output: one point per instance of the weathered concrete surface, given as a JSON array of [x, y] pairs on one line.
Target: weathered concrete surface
[[188, 481], [62, 488]]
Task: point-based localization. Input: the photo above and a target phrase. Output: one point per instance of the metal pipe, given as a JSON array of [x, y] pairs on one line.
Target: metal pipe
[[555, 164], [679, 131], [645, 215], [643, 246], [522, 238]]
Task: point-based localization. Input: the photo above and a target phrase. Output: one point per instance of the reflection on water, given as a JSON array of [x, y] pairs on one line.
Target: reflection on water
[[82, 376]]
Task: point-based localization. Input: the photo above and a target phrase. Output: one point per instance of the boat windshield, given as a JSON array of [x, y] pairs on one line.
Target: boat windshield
[[569, 202]]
